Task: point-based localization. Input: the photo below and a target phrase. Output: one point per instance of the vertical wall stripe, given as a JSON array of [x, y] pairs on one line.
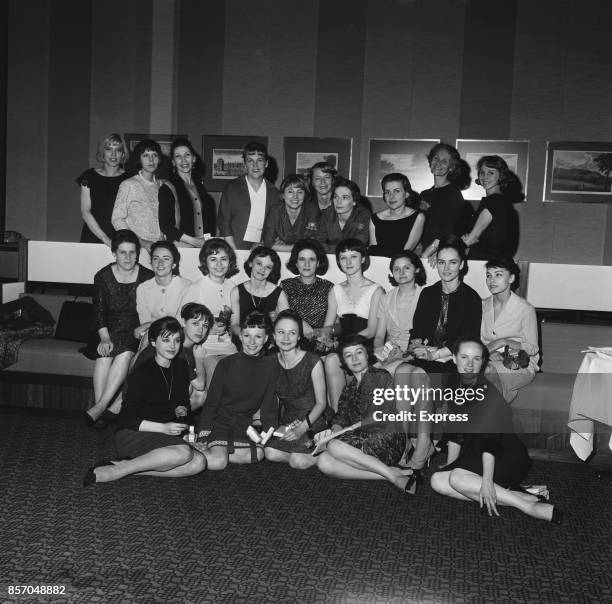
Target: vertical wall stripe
[[120, 70], [69, 104], [28, 72], [247, 77], [199, 73], [488, 69], [162, 66], [340, 71]]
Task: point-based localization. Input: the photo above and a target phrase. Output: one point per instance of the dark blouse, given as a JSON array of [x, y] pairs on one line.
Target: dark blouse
[[463, 317], [330, 234], [154, 392], [278, 225], [447, 214], [102, 192], [501, 237], [391, 235], [204, 207]]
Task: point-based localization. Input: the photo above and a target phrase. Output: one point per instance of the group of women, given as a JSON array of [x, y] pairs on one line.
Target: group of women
[[268, 355], [178, 209]]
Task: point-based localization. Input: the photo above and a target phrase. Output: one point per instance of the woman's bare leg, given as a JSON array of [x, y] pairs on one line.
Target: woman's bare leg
[[111, 382], [335, 379]]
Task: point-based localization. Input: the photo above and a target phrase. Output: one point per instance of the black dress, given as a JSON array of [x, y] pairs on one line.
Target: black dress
[[501, 237], [488, 430], [102, 191], [249, 302], [115, 309], [447, 213], [391, 235]]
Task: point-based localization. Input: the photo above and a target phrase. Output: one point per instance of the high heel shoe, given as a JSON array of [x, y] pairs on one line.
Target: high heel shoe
[[418, 463], [557, 515], [413, 481], [90, 475], [109, 417], [90, 422]]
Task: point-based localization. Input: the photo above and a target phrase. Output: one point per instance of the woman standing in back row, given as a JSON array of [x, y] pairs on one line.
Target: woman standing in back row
[[99, 188]]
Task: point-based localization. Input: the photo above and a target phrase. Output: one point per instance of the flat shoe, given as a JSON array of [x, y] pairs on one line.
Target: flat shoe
[[90, 475], [557, 516], [97, 424]]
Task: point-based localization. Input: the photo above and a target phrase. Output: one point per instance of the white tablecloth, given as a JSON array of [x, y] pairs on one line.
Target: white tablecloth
[[591, 401]]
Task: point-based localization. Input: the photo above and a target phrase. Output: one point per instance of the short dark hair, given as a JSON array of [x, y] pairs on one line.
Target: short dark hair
[[195, 310], [146, 144], [125, 236], [414, 199], [508, 264], [261, 251], [308, 244], [214, 246], [485, 351], [258, 319], [420, 276], [198, 166], [254, 147], [168, 245], [355, 340], [165, 325], [351, 185], [354, 245]]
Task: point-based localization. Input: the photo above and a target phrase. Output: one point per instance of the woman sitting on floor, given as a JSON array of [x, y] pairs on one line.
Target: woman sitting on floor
[[371, 450], [487, 461], [509, 321], [149, 432], [242, 384], [301, 392]]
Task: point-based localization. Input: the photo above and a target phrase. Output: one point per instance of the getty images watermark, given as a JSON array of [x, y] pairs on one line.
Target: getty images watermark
[[412, 396]]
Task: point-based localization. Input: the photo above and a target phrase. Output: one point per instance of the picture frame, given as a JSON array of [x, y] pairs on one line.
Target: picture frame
[[578, 172], [405, 155], [302, 152], [222, 157], [164, 140], [514, 152]]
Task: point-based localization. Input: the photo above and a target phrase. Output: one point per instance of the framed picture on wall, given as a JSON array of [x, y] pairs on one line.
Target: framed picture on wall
[[222, 156], [164, 140], [578, 172], [514, 153], [301, 153], [407, 156]]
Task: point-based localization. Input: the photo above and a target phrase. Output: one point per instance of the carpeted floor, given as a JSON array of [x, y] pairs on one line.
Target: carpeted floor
[[267, 533]]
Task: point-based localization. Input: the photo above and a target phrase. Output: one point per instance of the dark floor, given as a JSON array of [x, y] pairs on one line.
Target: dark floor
[[267, 533]]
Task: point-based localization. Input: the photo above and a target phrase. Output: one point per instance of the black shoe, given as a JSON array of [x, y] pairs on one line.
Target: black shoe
[[109, 417], [413, 481], [557, 515], [90, 475], [97, 424]]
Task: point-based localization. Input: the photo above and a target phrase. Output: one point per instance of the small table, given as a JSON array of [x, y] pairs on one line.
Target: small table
[[591, 400]]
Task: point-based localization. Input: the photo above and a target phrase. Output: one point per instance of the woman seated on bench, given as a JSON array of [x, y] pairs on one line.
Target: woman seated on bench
[[154, 415], [486, 461], [242, 384], [371, 450], [116, 318], [509, 326]]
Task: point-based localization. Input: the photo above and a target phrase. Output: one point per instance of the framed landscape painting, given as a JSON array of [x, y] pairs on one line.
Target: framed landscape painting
[[222, 157], [403, 155], [301, 153], [578, 172], [514, 153]]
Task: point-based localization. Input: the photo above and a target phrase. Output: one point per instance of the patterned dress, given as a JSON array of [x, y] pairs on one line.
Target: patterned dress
[[309, 300], [384, 440]]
